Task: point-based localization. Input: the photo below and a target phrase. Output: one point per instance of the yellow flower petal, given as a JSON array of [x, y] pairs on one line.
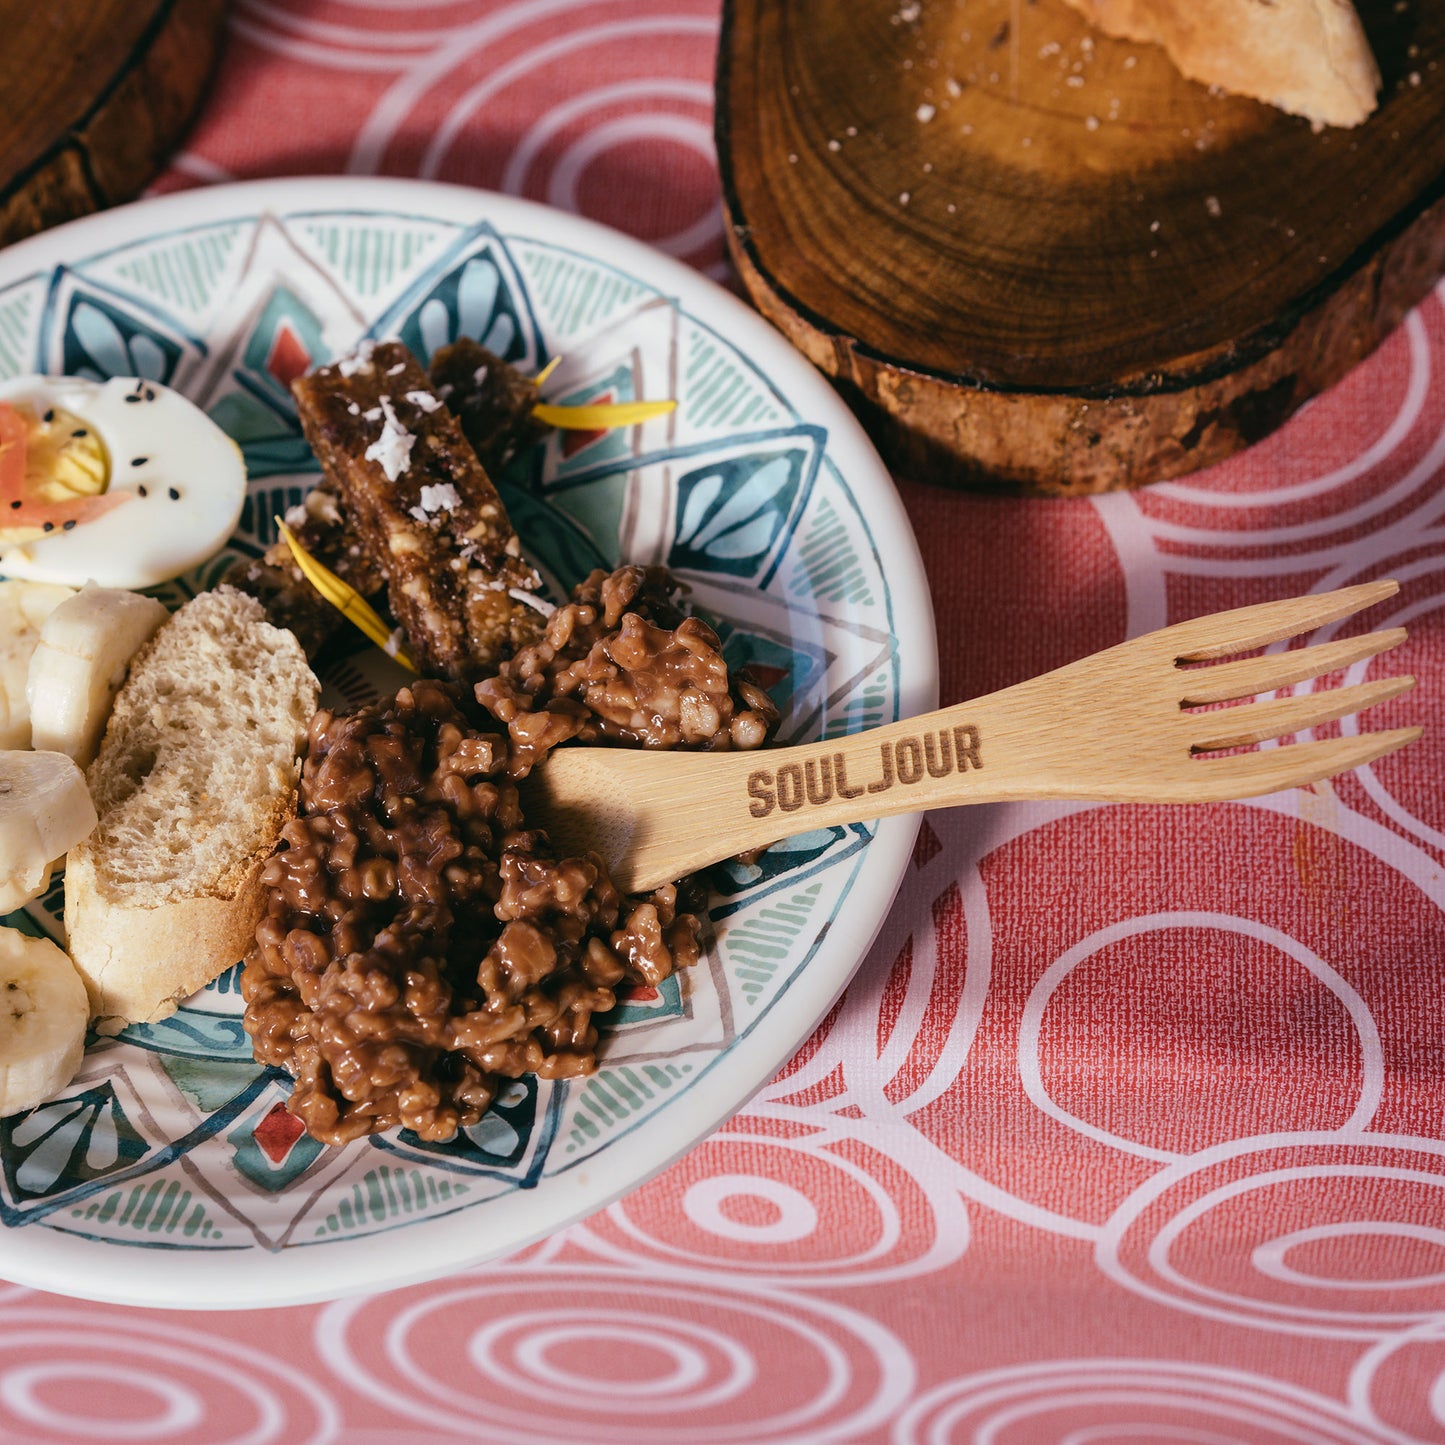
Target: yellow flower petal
[[602, 416], [345, 598]]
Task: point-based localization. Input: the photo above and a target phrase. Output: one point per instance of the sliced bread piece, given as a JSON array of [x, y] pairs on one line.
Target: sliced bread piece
[[1307, 57], [195, 778]]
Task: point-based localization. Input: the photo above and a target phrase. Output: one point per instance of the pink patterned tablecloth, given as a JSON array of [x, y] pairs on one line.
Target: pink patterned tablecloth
[[1132, 1126]]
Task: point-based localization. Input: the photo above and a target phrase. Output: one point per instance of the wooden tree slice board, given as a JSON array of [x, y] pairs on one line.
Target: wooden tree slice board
[[1038, 259], [96, 95]]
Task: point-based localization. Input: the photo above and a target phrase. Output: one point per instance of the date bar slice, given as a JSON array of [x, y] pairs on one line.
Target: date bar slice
[[424, 510], [490, 398]]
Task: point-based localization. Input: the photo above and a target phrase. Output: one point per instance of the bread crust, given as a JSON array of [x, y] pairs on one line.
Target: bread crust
[[1307, 57], [140, 963]]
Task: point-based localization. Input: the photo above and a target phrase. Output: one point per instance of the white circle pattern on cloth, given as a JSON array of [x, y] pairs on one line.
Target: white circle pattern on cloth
[[61, 1371], [1105, 1400], [544, 1351]]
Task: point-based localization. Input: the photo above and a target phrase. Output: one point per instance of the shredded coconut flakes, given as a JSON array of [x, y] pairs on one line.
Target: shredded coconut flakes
[[441, 498], [392, 449], [539, 603], [358, 361]]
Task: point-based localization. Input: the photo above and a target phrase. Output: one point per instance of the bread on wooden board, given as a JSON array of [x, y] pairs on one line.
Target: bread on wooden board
[[195, 778], [1308, 57]]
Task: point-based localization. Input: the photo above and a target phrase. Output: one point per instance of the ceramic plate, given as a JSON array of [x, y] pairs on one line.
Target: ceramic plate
[[170, 1172]]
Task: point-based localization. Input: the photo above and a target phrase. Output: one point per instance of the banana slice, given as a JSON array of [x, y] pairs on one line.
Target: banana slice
[[45, 810], [43, 1013], [85, 647], [24, 606]]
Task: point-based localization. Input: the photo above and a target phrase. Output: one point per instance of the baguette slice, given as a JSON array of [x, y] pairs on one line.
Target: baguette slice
[[1307, 57], [195, 778]]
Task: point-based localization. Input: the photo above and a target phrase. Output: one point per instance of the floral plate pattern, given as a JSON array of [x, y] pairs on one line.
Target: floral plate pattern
[[170, 1173]]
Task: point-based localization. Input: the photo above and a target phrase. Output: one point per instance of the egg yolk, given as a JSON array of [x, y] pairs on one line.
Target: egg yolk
[[54, 471]]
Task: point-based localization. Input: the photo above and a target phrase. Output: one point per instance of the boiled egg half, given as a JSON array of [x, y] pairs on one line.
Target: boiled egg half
[[121, 482]]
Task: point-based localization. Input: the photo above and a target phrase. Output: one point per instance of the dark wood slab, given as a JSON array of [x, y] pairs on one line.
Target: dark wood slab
[[1040, 260], [96, 95]]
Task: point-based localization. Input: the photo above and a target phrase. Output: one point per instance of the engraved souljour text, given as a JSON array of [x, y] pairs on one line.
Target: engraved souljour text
[[905, 761]]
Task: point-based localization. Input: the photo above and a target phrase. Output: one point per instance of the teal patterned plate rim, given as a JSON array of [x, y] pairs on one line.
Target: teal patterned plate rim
[[169, 1173]]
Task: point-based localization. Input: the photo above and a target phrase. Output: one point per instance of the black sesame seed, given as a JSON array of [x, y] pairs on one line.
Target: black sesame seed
[[65, 527], [48, 527], [174, 495], [132, 396], [80, 431], [139, 461], [49, 415], [16, 506], [141, 490]]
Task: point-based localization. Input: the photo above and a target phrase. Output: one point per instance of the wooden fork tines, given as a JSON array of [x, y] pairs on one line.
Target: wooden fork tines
[[1120, 726]]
